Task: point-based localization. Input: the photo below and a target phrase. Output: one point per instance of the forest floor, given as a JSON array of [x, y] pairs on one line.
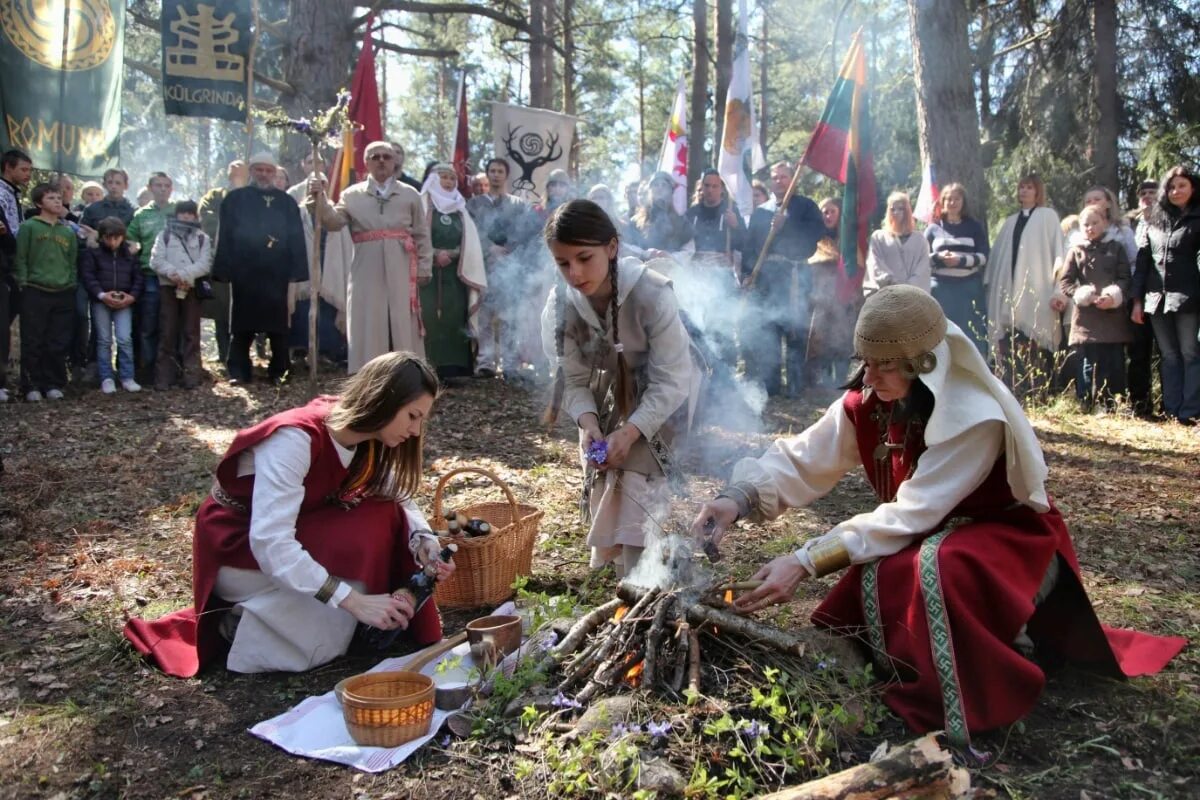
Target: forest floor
[[96, 514]]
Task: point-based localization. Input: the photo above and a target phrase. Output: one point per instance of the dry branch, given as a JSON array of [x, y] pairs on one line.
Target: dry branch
[[919, 769]]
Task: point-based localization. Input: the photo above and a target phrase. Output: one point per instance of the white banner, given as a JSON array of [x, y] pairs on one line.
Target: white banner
[[535, 142], [674, 156], [741, 152]]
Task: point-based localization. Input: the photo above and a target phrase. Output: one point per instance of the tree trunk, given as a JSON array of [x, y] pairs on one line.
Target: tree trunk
[[641, 84], [317, 58], [1104, 86], [984, 53], [697, 153], [763, 76], [568, 78], [947, 122], [537, 54], [921, 768], [724, 37], [549, 21]]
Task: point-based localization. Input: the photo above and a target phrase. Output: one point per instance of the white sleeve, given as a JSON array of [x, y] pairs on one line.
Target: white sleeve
[[797, 471], [281, 462], [668, 368], [577, 393], [946, 473]]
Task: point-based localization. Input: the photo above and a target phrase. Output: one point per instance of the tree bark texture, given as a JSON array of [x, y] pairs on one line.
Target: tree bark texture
[[947, 121], [537, 54], [724, 40], [764, 75], [317, 59], [697, 152], [568, 75], [918, 769], [1104, 86]]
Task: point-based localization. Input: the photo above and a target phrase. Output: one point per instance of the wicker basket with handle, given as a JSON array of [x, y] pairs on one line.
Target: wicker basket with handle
[[387, 709], [486, 565]]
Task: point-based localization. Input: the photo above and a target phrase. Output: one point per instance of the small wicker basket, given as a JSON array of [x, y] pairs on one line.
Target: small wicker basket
[[387, 709], [486, 565]]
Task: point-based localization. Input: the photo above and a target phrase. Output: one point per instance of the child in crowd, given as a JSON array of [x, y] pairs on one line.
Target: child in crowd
[[112, 204], [625, 374], [181, 256], [113, 280], [90, 192], [1096, 276], [45, 272]]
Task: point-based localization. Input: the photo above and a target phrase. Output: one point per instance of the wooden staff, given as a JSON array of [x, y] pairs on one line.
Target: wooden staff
[[779, 214], [314, 281]]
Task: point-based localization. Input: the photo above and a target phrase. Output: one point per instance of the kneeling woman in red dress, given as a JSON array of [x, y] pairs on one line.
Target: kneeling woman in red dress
[[965, 570], [309, 527]]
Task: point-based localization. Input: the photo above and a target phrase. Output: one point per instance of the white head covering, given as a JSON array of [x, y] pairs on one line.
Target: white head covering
[[446, 202], [263, 157]]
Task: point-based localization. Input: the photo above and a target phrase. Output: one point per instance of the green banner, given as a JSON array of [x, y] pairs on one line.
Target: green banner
[[206, 51], [60, 82]]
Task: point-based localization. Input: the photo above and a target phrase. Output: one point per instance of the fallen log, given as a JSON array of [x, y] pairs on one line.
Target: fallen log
[[919, 769], [794, 643]]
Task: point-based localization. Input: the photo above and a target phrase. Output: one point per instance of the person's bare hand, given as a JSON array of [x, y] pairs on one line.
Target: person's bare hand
[[722, 511], [619, 443], [442, 258], [383, 611], [1105, 301], [315, 187], [1136, 314], [949, 259], [780, 579], [1057, 304], [730, 217]]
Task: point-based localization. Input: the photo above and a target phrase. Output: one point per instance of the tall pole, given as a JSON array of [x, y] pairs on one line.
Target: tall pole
[[314, 280], [250, 82]]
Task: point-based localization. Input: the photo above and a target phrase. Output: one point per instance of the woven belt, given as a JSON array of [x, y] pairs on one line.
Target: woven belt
[[410, 247], [225, 499]]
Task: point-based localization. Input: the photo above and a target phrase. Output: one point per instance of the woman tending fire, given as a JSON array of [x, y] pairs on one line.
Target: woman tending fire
[[964, 574], [625, 374]]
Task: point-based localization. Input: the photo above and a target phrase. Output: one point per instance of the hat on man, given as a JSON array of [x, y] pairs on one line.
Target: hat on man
[[379, 147], [899, 322], [263, 157]]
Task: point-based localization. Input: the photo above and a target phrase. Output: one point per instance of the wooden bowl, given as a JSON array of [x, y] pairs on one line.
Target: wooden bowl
[[503, 632]]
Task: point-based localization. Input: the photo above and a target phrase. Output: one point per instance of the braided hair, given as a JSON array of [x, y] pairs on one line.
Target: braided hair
[[584, 223]]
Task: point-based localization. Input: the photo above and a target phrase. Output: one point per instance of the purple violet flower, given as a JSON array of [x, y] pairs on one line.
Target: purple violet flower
[[658, 729], [755, 729], [562, 701], [597, 452]]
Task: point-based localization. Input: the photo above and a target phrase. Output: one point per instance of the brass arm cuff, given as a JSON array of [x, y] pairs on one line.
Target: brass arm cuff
[[829, 556], [327, 589]]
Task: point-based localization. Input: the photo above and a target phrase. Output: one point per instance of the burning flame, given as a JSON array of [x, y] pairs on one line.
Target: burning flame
[[633, 675], [621, 612]]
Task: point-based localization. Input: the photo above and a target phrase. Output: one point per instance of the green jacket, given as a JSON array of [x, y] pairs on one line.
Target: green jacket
[[148, 222], [46, 255]]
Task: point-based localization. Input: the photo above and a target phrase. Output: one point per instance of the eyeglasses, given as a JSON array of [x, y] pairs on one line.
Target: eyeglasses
[[381, 157]]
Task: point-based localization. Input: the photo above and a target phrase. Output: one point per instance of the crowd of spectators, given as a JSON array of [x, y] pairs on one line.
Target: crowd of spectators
[[456, 270]]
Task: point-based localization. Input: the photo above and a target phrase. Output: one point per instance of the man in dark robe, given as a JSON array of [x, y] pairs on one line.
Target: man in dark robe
[[777, 309], [260, 251]]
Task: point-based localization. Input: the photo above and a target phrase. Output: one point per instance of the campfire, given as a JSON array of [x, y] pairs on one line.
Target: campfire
[[654, 635]]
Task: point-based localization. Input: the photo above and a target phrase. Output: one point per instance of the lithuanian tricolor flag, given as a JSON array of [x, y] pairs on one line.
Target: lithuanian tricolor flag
[[840, 148]]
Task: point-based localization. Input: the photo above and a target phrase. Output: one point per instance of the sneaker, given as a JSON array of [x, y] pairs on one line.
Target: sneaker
[[3, 395], [130, 385], [33, 397], [54, 394], [108, 386]]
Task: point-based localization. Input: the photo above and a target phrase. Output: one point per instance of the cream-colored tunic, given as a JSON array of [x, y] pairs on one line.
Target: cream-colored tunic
[[633, 501], [380, 316]]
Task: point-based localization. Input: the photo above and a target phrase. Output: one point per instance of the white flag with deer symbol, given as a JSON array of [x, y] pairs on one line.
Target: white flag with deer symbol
[[535, 142]]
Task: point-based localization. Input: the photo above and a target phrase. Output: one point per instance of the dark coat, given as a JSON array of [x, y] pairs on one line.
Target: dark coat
[[260, 250], [1101, 266], [103, 270], [709, 229], [795, 243], [1167, 278]]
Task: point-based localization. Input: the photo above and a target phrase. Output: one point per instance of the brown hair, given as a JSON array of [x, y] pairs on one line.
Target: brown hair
[[939, 208], [584, 223], [1039, 189], [110, 226], [369, 400]]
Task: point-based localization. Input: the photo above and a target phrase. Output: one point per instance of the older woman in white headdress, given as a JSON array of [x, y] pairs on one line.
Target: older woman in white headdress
[[965, 566], [450, 302]]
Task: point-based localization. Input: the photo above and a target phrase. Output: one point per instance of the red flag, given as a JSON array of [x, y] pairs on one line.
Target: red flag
[[364, 112], [462, 150]]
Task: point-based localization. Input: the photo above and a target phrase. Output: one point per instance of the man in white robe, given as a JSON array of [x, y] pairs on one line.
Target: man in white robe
[[392, 256]]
